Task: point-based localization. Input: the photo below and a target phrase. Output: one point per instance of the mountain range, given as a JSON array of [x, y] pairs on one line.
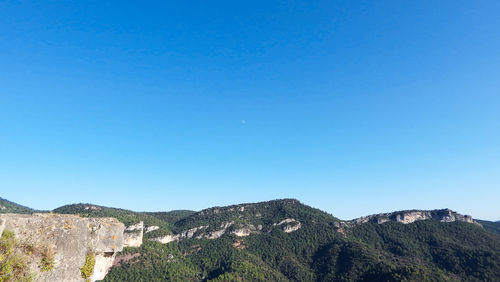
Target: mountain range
[[285, 240]]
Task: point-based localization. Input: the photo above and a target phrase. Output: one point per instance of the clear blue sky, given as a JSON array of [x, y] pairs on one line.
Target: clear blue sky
[[354, 107]]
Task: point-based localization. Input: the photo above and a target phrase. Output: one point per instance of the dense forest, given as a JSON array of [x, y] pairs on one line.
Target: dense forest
[[319, 248]]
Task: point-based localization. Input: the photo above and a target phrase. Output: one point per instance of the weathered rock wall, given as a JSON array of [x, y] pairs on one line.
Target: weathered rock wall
[[406, 217], [71, 238], [288, 225], [133, 235]]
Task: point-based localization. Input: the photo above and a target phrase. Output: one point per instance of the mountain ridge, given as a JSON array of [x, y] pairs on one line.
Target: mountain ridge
[[286, 240]]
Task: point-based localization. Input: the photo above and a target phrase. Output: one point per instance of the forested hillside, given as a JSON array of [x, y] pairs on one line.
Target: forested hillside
[[7, 206], [322, 249], [492, 226], [285, 240]]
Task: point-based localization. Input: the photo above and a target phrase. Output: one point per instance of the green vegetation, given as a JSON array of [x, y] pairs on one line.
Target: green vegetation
[[172, 217], [422, 251], [13, 261], [492, 226], [126, 216], [426, 250], [11, 207], [47, 261], [88, 268]]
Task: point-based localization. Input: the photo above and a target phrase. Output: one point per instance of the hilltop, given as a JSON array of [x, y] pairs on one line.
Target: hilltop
[[7, 206], [285, 240]]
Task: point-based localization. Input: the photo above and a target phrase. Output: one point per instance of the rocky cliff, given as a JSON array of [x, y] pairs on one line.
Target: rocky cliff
[[133, 235], [410, 216], [288, 225], [69, 240]]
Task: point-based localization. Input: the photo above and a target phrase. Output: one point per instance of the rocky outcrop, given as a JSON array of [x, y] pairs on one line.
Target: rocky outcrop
[[151, 228], [406, 217], [217, 233], [132, 237], [2, 225], [289, 225], [166, 239], [188, 234], [71, 238], [240, 230], [212, 234], [245, 231]]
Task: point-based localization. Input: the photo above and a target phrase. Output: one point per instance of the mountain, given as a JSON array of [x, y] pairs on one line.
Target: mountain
[[492, 226], [285, 240], [128, 217], [11, 207]]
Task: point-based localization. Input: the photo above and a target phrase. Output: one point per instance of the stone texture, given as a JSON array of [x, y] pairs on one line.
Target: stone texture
[[103, 262], [151, 228], [166, 239], [188, 234], [72, 238], [212, 234], [2, 225], [289, 225], [407, 217], [291, 228], [133, 235], [245, 231]]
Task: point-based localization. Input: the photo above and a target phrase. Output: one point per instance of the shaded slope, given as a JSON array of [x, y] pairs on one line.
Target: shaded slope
[[7, 206], [492, 226]]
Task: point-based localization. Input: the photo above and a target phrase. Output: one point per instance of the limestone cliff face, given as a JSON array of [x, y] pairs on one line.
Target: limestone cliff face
[[71, 238], [288, 225], [133, 235], [406, 217]]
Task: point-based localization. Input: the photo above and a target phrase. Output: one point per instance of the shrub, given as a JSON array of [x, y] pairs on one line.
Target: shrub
[[13, 262], [88, 268], [47, 262]]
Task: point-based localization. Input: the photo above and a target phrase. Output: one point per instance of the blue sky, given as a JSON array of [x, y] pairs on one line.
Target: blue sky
[[354, 107]]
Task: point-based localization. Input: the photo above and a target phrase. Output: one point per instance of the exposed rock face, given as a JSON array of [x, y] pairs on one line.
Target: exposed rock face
[[2, 225], [103, 262], [286, 220], [245, 231], [151, 228], [292, 228], [240, 230], [188, 234], [406, 217], [72, 238], [212, 234], [289, 225], [132, 237], [166, 239]]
